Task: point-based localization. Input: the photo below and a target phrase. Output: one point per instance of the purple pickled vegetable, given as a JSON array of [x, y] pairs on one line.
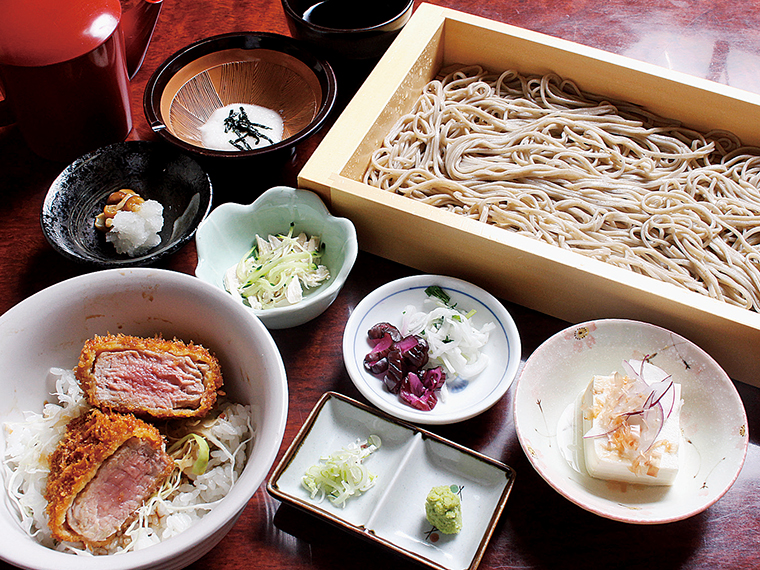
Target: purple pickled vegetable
[[391, 384], [415, 350], [381, 329], [401, 362], [380, 350], [377, 366], [413, 384], [425, 403], [394, 376], [407, 343], [434, 378]]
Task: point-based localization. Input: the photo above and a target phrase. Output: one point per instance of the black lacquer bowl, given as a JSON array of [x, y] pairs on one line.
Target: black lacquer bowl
[[345, 30], [154, 171]]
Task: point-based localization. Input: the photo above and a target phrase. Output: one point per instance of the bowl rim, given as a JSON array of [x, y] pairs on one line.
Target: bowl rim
[[557, 483], [289, 11], [46, 218], [238, 40], [175, 551]]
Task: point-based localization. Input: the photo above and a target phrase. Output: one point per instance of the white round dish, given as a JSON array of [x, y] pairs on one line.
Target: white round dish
[[48, 330], [467, 398], [713, 420], [229, 231]]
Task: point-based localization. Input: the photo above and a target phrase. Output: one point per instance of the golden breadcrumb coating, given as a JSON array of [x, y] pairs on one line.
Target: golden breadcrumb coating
[[91, 439], [204, 365]]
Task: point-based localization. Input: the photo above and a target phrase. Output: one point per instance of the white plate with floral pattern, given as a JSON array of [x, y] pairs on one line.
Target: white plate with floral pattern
[[713, 420], [466, 397]]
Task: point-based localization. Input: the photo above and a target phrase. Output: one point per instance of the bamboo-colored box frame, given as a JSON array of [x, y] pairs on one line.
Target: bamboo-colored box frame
[[516, 268]]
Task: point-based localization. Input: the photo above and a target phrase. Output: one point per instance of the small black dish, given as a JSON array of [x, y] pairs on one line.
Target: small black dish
[[154, 171], [347, 29]]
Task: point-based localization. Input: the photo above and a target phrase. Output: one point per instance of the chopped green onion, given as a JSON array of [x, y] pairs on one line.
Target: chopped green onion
[[276, 270], [341, 475], [202, 453]]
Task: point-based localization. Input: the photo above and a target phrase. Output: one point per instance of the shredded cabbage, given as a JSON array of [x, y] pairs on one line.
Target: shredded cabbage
[[209, 456], [455, 343], [276, 270], [190, 451], [341, 475]]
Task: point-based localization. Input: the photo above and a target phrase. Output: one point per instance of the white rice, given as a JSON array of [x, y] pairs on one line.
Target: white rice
[[134, 233], [30, 442]]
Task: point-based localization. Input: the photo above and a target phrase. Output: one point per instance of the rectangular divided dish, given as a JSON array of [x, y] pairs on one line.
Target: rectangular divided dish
[[409, 462], [519, 269]]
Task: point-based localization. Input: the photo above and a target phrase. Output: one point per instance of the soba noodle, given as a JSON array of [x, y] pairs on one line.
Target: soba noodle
[[606, 179]]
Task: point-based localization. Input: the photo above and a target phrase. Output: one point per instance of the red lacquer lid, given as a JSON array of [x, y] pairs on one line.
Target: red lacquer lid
[[42, 32]]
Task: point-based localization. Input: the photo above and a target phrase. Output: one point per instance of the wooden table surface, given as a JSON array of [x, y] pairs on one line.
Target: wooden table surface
[[714, 39]]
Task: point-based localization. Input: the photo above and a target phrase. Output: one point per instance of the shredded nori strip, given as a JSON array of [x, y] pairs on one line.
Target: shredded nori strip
[[241, 126]]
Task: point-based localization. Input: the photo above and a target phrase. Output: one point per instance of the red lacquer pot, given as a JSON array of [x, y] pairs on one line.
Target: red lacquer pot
[[65, 70]]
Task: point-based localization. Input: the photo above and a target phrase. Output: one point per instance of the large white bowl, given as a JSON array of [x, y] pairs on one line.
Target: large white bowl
[[229, 232], [713, 420], [48, 330]]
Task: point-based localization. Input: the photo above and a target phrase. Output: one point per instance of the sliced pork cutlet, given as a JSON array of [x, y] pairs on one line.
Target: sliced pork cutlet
[[149, 376], [103, 469]]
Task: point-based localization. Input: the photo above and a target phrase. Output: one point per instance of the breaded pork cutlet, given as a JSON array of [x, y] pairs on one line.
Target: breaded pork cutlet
[[106, 465], [149, 376]]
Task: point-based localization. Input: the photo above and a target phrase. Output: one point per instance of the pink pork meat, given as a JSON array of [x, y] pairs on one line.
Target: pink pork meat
[[149, 376]]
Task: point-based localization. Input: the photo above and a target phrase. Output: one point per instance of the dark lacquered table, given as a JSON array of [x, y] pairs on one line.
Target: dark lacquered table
[[714, 39]]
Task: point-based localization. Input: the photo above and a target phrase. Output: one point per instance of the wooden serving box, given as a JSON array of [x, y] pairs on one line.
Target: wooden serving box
[[516, 268]]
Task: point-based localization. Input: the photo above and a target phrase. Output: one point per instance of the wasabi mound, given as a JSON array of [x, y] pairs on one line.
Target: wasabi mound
[[443, 509]]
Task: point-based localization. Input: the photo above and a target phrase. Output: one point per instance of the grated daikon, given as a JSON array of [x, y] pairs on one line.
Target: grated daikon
[[218, 132], [136, 232]]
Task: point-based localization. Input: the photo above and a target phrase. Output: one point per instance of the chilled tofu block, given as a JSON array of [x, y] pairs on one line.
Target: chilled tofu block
[[614, 452]]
